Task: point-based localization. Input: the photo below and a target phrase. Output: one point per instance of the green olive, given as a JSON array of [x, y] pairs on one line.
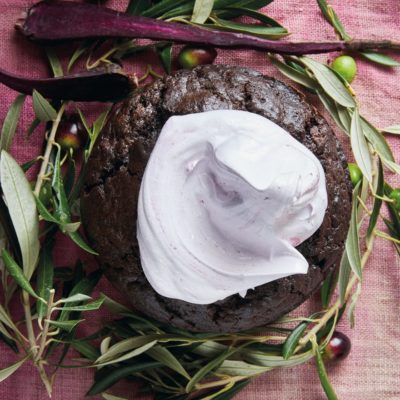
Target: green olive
[[395, 196], [345, 66], [355, 173]]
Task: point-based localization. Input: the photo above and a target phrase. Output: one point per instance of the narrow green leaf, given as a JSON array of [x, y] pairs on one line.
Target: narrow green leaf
[[163, 355], [62, 212], [70, 227], [394, 129], [345, 117], [127, 356], [45, 213], [241, 368], [113, 306], [267, 360], [16, 272], [206, 369], [77, 54], [22, 208], [54, 62], [360, 147], [344, 276], [45, 277], [331, 107], [86, 349], [75, 298], [10, 122], [81, 243], [323, 376], [107, 396], [297, 76], [352, 241], [115, 375], [94, 305], [232, 392], [66, 325], [32, 127], [331, 16], [332, 85], [202, 10], [292, 340], [43, 109], [353, 303], [165, 54], [229, 12], [328, 287], [269, 32], [373, 219], [6, 372], [377, 140], [381, 59]]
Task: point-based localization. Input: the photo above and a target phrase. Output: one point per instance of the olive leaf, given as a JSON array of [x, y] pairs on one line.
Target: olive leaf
[[323, 376], [136, 7], [11, 122], [86, 349], [6, 372], [54, 62], [22, 208], [75, 298], [165, 54], [297, 76], [67, 326], [359, 146], [164, 356], [292, 340], [231, 393], [352, 241], [115, 375], [32, 127], [240, 368], [344, 276], [43, 109], [328, 287], [353, 303], [45, 277], [230, 12], [330, 82], [202, 10], [394, 129], [267, 360], [107, 396], [332, 107], [17, 274], [331, 16], [381, 59], [373, 219], [94, 305]]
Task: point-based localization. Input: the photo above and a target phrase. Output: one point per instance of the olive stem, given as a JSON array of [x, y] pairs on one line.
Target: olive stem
[[47, 153], [46, 325]]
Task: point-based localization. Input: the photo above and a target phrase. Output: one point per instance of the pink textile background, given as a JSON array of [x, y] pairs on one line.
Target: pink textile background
[[372, 371]]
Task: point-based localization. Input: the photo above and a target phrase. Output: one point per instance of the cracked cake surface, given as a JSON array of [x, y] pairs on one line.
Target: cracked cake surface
[[110, 196]]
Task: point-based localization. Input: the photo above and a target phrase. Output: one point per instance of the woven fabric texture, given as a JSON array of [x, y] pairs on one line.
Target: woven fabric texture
[[372, 370]]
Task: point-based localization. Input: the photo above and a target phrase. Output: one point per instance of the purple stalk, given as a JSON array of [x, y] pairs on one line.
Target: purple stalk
[[88, 86], [60, 20]]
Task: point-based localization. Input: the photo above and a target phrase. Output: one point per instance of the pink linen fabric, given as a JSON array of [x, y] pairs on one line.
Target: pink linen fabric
[[372, 371]]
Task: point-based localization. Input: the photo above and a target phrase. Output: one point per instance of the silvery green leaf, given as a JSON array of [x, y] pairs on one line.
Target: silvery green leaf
[[292, 340], [345, 117], [323, 376], [359, 146], [202, 10], [22, 208], [163, 355], [377, 140], [393, 166], [344, 276], [54, 62], [241, 368], [43, 109], [107, 396], [6, 372], [76, 297], [331, 84], [352, 241], [353, 303], [381, 59], [45, 277], [94, 305], [113, 306], [379, 190], [331, 107], [127, 356], [70, 227], [394, 129], [66, 325], [10, 122], [294, 74], [210, 349], [331, 16], [265, 360]]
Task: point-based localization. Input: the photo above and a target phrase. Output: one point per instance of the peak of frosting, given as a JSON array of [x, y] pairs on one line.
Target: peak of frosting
[[225, 199]]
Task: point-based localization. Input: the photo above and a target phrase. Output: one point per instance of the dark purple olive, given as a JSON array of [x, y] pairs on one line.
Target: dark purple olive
[[338, 347], [71, 133], [190, 57]]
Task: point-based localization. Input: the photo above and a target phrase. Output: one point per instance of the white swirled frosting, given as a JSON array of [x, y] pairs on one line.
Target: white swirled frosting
[[225, 198]]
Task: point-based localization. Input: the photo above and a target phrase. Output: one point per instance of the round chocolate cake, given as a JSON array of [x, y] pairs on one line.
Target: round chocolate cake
[[110, 197]]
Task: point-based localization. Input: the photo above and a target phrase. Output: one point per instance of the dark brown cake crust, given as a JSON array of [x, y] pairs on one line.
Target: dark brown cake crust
[[109, 200]]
